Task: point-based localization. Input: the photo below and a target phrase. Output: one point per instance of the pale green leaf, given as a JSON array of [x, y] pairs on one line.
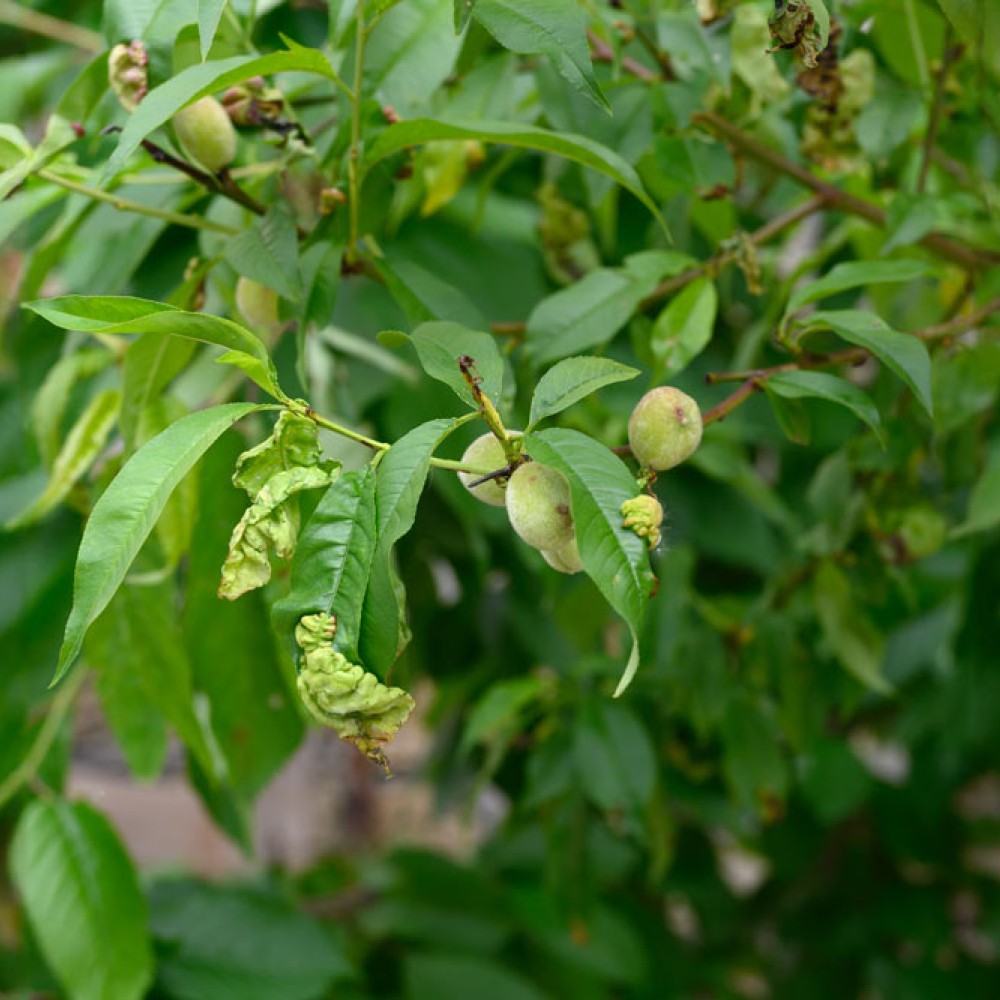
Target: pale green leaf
[[684, 328]]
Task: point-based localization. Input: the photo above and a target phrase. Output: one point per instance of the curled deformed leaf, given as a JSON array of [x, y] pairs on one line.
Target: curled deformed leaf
[[271, 522], [343, 695], [294, 442]]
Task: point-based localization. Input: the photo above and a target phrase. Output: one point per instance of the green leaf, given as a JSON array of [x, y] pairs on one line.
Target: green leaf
[[424, 296], [857, 274], [684, 328], [80, 892], [591, 311], [856, 642], [614, 757], [977, 23], [570, 380], [399, 483], [333, 561], [49, 404], [163, 102], [903, 353], [753, 764], [232, 942], [804, 385], [151, 364], [118, 314], [577, 148], [458, 977], [613, 557], [463, 11], [209, 16], [499, 713], [138, 652], [128, 509], [439, 346], [984, 502], [556, 29], [82, 446], [230, 646], [411, 53], [268, 252]]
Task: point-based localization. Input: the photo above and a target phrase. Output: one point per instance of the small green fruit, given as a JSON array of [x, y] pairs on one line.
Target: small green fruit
[[538, 505], [567, 559], [206, 133], [258, 305], [665, 428], [486, 452]]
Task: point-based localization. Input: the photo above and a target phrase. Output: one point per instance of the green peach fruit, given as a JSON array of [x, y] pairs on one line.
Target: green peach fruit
[[565, 560], [206, 134], [665, 428], [487, 453], [258, 305], [538, 505]]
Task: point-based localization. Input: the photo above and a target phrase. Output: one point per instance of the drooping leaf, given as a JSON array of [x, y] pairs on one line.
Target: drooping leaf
[[577, 148], [399, 483], [82, 446], [80, 891], [613, 557], [163, 102], [903, 353], [118, 314], [49, 404], [441, 345], [128, 509], [553, 28], [333, 561], [138, 653], [819, 385], [570, 380]]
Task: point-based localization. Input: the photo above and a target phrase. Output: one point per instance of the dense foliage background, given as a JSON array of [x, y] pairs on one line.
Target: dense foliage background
[[789, 211]]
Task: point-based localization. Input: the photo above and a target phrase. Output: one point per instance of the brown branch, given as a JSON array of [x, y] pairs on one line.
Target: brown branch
[[754, 379], [949, 54], [602, 52], [944, 246]]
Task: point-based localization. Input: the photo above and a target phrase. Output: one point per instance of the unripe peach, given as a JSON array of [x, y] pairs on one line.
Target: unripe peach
[[665, 428], [258, 305], [567, 559], [538, 505], [487, 453], [206, 133]]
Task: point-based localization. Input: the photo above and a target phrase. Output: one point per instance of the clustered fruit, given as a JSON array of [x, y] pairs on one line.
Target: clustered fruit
[[664, 429]]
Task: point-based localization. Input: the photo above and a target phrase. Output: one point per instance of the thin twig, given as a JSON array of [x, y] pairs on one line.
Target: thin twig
[[949, 53], [50, 27], [972, 258], [127, 205], [753, 380], [353, 173]]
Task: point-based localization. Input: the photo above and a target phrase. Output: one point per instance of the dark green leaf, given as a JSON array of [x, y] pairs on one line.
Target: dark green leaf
[[903, 353], [459, 977], [819, 385], [857, 274], [570, 380], [578, 148], [268, 252], [333, 561], [553, 28], [399, 483], [81, 892], [984, 503], [613, 557], [240, 943], [128, 509]]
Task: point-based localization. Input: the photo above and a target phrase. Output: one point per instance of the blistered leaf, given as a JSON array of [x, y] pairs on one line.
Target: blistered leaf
[[343, 695], [271, 523], [293, 442]]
